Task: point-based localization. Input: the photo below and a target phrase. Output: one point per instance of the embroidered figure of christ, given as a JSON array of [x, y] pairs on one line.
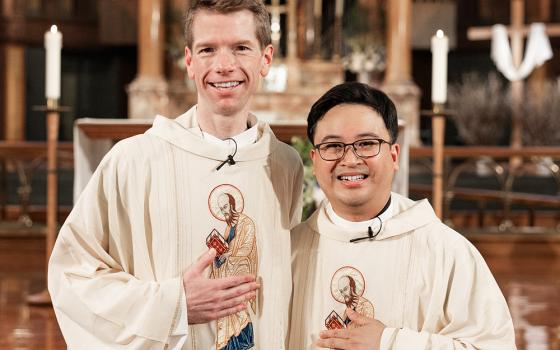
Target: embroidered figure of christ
[[226, 203]]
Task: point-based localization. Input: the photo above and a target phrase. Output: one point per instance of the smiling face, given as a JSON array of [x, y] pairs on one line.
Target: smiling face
[[226, 61], [357, 188]]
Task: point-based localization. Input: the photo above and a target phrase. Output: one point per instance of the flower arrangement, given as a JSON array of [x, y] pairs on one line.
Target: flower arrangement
[[541, 116]]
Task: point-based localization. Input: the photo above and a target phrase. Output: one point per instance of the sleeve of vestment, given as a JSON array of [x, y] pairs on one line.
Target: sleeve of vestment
[[467, 307], [297, 196], [98, 300]]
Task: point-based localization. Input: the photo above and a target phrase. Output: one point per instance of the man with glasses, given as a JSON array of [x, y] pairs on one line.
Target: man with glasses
[[428, 286]]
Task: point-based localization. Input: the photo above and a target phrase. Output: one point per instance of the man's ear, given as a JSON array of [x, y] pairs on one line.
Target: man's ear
[[266, 62], [188, 62], [313, 156], [395, 152]]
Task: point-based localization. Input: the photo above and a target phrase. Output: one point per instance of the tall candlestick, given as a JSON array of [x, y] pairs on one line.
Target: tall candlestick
[[440, 46], [53, 45]]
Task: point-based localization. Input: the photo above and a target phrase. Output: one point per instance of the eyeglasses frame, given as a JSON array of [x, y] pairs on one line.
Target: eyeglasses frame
[[381, 142]]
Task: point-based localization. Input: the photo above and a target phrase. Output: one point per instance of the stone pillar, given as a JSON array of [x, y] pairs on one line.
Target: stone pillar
[[398, 82], [147, 94], [14, 92]]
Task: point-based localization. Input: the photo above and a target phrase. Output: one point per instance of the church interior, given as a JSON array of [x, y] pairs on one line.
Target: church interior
[[483, 146]]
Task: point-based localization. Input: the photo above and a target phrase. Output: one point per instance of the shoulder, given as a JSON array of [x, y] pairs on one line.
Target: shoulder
[[448, 244], [138, 148], [304, 232], [286, 155]]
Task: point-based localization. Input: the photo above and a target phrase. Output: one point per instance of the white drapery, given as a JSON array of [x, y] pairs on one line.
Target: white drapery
[[537, 51]]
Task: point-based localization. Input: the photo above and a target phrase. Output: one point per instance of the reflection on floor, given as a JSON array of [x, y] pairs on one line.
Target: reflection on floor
[[530, 281]]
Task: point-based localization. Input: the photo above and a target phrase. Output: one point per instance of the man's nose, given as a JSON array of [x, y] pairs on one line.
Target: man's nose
[[350, 157], [226, 61]]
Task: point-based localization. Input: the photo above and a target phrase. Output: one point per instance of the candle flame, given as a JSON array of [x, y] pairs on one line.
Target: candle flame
[[439, 33], [54, 28]]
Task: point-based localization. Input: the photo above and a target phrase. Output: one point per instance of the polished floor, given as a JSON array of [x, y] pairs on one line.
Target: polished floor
[[529, 278]]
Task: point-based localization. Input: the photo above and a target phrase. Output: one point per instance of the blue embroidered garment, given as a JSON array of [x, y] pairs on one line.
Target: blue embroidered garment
[[243, 341]]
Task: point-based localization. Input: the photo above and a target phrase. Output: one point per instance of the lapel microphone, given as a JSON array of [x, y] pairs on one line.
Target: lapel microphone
[[371, 235], [229, 159]]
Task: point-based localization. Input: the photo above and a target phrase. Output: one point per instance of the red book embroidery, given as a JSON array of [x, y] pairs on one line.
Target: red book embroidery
[[216, 240], [334, 321]]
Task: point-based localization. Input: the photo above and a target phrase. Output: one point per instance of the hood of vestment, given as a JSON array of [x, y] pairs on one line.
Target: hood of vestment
[[184, 132], [408, 216]]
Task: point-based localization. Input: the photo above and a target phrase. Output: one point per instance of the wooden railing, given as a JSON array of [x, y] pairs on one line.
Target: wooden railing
[[496, 160], [25, 158]]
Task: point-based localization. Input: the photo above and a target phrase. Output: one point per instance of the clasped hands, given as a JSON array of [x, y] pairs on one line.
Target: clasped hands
[[210, 299], [366, 336]]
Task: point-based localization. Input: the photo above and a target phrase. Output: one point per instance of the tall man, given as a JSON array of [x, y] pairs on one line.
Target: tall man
[[426, 287], [124, 272]]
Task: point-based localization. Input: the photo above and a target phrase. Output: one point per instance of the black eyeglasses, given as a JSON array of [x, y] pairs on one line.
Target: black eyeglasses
[[365, 148]]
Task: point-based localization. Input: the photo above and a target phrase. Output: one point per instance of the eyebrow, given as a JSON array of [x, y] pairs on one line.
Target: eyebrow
[[210, 43], [359, 136]]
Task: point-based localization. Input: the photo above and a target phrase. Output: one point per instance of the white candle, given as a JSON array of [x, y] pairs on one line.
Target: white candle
[[339, 8], [53, 45], [440, 46]]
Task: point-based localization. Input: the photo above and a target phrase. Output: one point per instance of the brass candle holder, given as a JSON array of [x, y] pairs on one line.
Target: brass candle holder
[[52, 111], [438, 115]]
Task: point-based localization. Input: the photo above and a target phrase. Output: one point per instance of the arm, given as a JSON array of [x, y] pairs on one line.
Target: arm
[[297, 196], [466, 311]]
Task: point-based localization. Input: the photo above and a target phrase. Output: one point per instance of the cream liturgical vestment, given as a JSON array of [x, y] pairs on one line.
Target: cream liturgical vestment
[[424, 281], [155, 203]]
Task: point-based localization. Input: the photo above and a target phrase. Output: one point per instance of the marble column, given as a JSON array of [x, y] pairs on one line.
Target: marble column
[[147, 94], [398, 82]]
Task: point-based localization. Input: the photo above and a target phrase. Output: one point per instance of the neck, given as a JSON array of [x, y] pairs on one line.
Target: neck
[[362, 213], [220, 125]]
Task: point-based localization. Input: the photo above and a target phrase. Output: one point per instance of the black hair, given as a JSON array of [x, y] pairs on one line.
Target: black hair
[[354, 93]]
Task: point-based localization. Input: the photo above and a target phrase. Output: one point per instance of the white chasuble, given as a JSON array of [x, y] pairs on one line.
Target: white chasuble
[[149, 211], [424, 281]]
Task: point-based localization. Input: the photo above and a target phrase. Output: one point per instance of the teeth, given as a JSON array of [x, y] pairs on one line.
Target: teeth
[[226, 85], [352, 178]]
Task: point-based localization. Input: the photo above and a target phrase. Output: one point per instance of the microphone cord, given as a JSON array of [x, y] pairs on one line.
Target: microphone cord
[[371, 235], [229, 159]]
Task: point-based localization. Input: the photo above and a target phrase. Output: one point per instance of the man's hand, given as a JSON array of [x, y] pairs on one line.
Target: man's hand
[[367, 335], [210, 299]]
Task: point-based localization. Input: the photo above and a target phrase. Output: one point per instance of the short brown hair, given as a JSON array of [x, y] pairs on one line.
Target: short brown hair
[[257, 7]]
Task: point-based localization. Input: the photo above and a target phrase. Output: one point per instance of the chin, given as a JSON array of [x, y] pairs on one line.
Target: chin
[[352, 202], [226, 109]]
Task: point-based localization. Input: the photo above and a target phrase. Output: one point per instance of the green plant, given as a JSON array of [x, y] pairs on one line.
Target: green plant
[[303, 147]]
